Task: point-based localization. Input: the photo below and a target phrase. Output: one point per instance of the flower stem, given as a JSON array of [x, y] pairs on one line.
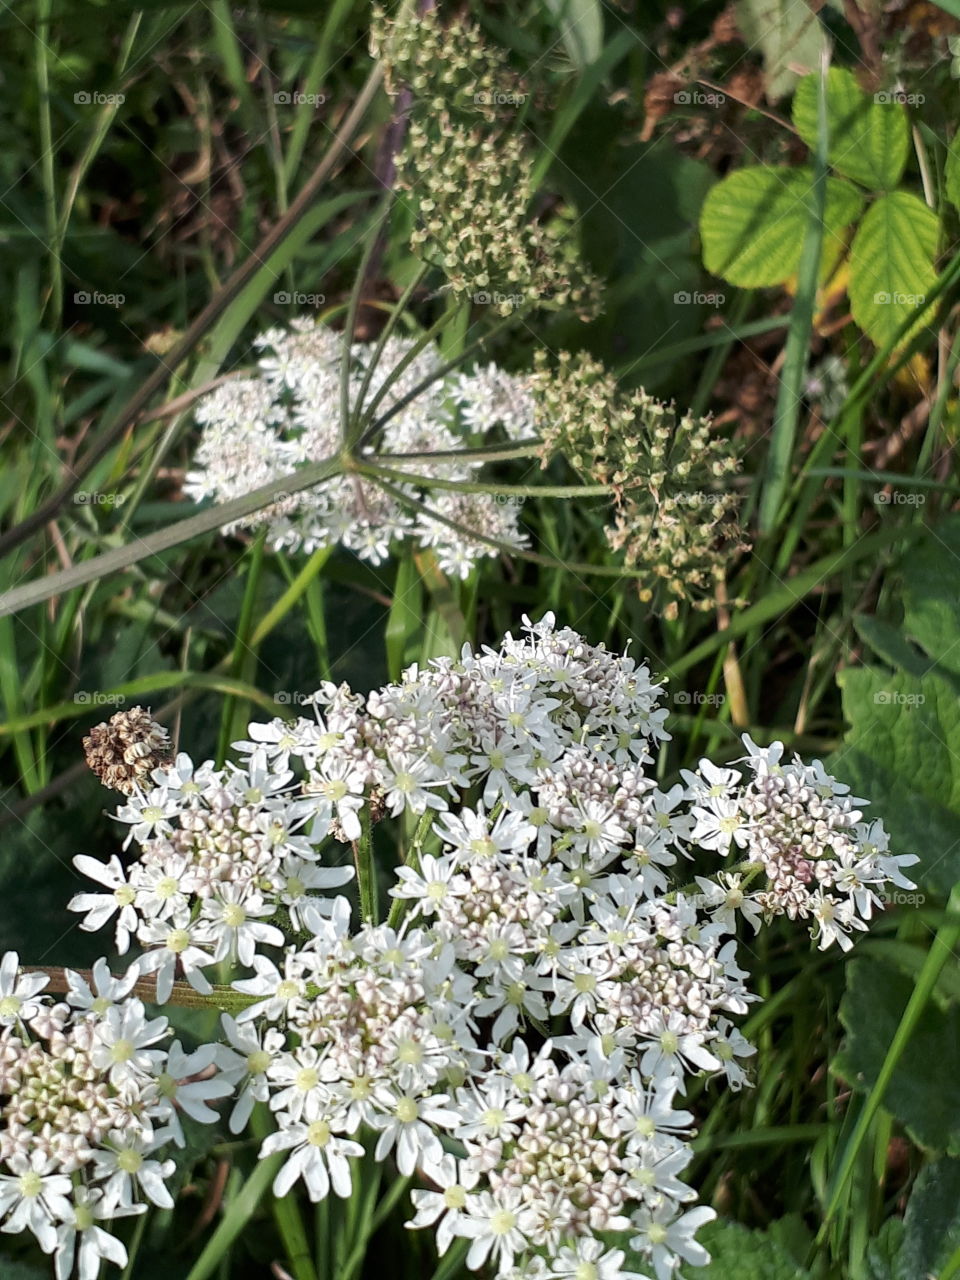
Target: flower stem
[[366, 868]]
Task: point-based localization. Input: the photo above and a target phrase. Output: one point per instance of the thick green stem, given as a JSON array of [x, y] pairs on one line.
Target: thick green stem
[[366, 868]]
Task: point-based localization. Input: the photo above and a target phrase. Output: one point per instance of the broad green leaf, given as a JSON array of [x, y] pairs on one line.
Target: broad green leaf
[[753, 223], [903, 746], [924, 1092], [882, 1250], [739, 1254], [891, 267], [788, 35], [903, 751], [952, 171], [869, 136], [581, 28], [931, 1225]]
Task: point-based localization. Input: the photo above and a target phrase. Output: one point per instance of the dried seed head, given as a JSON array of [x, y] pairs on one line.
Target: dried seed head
[[125, 750]]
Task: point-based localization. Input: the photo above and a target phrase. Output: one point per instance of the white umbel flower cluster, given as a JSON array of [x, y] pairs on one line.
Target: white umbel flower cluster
[[90, 1097], [517, 1033], [262, 427]]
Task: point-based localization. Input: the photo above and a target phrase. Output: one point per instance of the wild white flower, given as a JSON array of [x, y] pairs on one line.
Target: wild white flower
[[17, 991], [126, 1171], [32, 1198], [80, 1240], [99, 907], [443, 1209], [317, 1155], [666, 1236], [404, 1121]]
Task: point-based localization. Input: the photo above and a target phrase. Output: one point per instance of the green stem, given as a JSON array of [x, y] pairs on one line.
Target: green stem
[[941, 950], [366, 868], [392, 320]]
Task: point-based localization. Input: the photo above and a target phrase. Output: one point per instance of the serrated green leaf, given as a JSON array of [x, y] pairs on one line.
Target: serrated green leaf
[[869, 138], [889, 643], [737, 1253], [753, 222], [931, 1225], [882, 1251], [788, 35], [898, 721], [891, 267], [951, 176], [924, 1092]]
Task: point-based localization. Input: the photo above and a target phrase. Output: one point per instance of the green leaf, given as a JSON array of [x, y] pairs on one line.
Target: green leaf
[[924, 1091], [891, 267], [898, 721], [951, 176], [581, 29], [739, 1254], [753, 223], [912, 714], [869, 137], [788, 35], [882, 1251], [931, 1224]]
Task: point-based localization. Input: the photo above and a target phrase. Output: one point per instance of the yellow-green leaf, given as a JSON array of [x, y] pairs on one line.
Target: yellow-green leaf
[[952, 172], [868, 136], [891, 266], [753, 223]]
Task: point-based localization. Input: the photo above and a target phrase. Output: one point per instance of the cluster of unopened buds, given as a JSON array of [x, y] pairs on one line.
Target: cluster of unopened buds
[[517, 1033]]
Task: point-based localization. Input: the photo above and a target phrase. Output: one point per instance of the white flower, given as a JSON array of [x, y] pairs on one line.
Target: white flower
[[122, 1042], [233, 923], [588, 1261], [492, 1223], [667, 1237], [124, 1169], [80, 1239], [175, 943], [444, 1208], [405, 1121], [17, 991], [110, 991], [246, 1064], [318, 1156], [32, 1198], [101, 906]]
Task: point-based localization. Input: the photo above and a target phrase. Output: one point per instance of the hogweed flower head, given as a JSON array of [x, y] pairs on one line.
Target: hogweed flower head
[[467, 175], [540, 894], [260, 428], [675, 510]]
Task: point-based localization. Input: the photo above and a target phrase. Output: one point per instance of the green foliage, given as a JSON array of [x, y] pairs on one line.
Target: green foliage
[[789, 35], [924, 1093], [868, 140], [739, 1254], [909, 714], [753, 222]]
